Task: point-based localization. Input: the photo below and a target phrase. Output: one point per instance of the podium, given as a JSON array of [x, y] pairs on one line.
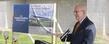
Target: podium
[[41, 42]]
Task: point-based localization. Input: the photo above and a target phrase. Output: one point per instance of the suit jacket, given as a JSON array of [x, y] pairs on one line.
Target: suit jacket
[[85, 33]]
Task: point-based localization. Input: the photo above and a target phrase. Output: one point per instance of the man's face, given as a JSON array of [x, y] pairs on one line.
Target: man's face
[[79, 12]]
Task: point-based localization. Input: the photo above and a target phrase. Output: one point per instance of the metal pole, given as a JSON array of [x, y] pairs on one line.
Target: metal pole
[[33, 41], [54, 24]]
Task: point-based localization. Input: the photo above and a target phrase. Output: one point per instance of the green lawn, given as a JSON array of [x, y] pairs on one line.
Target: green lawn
[[46, 38], [2, 41], [24, 39]]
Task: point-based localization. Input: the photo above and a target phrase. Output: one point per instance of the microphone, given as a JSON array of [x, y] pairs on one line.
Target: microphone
[[65, 34]]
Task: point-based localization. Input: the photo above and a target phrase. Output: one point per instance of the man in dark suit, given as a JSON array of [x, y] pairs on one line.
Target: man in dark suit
[[84, 30]]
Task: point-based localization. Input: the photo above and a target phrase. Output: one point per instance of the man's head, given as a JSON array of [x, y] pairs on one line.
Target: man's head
[[80, 12]]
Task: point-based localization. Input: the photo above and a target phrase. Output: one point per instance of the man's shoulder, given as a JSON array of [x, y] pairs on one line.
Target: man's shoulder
[[90, 25], [87, 23]]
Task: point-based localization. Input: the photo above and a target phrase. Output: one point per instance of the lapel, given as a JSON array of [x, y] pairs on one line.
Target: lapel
[[74, 27], [81, 26]]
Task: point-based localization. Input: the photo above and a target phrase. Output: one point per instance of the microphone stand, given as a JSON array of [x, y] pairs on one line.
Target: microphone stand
[[65, 34], [65, 40]]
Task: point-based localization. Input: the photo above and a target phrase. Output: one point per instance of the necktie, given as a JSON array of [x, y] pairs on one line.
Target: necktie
[[77, 26]]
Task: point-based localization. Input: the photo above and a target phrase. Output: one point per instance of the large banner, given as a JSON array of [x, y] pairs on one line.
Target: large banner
[[21, 18], [41, 18], [33, 18]]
